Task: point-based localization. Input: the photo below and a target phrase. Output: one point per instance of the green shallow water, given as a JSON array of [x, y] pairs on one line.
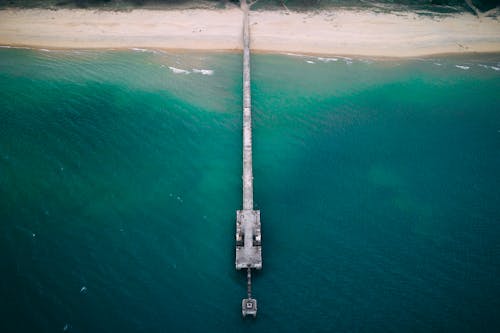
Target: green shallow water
[[377, 182]]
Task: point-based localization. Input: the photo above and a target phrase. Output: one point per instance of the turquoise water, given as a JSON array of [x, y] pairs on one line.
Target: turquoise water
[[378, 184]]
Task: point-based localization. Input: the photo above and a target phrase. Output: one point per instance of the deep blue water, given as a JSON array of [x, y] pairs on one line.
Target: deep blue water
[[120, 174]]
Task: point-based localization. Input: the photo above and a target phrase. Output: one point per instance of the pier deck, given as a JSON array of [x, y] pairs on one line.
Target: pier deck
[[248, 232]]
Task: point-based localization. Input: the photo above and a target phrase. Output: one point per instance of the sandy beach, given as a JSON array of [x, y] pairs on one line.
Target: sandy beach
[[348, 32]]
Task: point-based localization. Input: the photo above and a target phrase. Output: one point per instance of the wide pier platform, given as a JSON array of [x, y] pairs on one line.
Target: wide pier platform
[[248, 239]]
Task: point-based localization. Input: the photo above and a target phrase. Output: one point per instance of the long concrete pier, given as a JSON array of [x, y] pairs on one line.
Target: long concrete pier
[[248, 233]]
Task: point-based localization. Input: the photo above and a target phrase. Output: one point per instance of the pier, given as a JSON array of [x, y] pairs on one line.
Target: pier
[[248, 233]]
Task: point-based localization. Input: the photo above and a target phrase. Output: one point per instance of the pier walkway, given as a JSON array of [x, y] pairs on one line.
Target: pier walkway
[[248, 233]]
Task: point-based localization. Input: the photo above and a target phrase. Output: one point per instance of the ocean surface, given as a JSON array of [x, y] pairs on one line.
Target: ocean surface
[[378, 183]]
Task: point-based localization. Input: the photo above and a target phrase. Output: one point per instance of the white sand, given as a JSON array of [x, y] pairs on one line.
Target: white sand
[[327, 32]]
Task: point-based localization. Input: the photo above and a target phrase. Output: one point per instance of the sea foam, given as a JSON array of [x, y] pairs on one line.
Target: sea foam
[[15, 47], [178, 70], [203, 71], [327, 59], [139, 49]]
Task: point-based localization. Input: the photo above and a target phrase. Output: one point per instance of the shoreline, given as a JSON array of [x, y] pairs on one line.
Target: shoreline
[[327, 32], [238, 51]]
